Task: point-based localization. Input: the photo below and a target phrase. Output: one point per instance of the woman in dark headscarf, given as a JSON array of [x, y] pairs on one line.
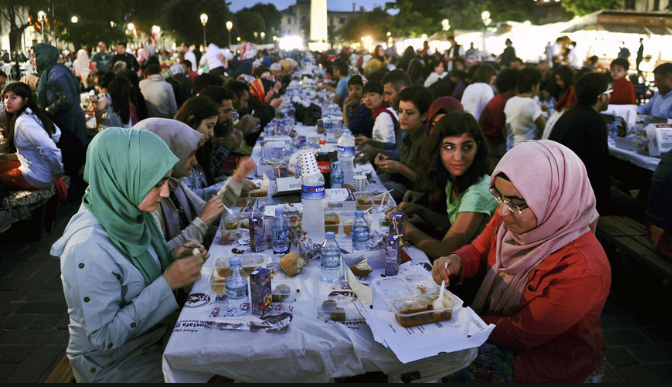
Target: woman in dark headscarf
[[58, 90]]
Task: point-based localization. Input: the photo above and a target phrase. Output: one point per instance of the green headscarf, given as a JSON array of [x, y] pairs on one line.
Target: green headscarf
[[46, 57], [122, 166]]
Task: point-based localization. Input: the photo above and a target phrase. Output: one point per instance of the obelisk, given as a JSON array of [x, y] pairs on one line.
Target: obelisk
[[318, 25]]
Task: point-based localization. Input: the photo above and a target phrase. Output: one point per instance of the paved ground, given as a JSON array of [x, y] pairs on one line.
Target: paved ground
[[33, 318]]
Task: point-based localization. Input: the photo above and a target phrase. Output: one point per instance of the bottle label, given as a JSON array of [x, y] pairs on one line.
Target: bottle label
[[347, 151], [360, 233], [325, 166], [331, 259], [312, 192], [237, 290]]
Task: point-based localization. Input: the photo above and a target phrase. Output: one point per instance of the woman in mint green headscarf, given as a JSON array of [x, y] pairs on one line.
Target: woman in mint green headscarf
[[118, 274], [58, 90]]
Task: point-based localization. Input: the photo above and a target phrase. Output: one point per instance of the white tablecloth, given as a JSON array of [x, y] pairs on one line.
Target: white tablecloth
[[311, 350], [638, 159]]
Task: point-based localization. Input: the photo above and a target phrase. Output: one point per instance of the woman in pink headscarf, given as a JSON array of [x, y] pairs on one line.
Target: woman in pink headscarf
[[546, 275]]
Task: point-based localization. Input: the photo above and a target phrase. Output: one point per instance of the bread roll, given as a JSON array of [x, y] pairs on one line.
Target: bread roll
[[361, 268], [292, 264]]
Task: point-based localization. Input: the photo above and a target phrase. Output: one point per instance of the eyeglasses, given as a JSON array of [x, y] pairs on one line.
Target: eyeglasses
[[512, 207]]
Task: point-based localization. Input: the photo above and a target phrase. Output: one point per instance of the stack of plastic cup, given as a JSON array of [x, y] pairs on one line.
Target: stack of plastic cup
[[312, 197]]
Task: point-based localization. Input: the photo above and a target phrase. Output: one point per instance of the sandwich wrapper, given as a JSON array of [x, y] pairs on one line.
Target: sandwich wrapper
[[464, 330]]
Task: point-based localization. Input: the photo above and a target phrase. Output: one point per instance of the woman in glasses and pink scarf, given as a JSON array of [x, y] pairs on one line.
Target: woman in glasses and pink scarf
[[546, 275]]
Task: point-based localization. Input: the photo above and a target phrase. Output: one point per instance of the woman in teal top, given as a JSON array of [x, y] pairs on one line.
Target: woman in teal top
[[457, 157]]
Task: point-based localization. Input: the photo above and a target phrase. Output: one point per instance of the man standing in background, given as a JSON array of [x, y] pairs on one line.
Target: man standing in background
[[190, 56], [101, 58], [640, 55]]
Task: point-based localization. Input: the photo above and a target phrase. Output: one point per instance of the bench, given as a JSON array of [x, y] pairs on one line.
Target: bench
[[645, 272], [62, 373], [39, 206]]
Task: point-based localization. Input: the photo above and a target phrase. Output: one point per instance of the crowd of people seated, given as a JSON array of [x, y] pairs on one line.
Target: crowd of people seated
[[501, 173]]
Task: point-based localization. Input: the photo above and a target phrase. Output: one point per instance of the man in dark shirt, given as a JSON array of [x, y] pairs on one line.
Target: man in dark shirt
[[126, 57], [583, 130]]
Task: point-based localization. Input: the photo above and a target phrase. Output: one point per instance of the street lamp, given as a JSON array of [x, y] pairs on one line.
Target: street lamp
[[485, 17], [446, 26], [74, 19], [40, 17], [262, 36], [204, 21], [229, 26]]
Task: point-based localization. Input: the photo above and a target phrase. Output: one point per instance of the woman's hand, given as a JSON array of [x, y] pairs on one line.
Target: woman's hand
[[409, 208], [361, 140], [389, 166], [186, 251], [380, 157], [244, 168], [183, 272], [412, 196], [249, 185], [444, 267], [212, 210], [365, 153]]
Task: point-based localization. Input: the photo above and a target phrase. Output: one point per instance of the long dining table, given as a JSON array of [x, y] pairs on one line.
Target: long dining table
[[310, 348]]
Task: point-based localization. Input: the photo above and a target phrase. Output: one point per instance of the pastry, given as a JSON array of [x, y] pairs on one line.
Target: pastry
[[292, 264], [256, 193], [361, 268]]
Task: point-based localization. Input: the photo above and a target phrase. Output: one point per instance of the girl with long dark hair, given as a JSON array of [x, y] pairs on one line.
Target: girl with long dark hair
[[201, 114], [456, 160], [33, 161]]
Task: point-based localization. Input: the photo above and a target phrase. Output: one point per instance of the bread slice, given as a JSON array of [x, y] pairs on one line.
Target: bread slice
[[361, 268]]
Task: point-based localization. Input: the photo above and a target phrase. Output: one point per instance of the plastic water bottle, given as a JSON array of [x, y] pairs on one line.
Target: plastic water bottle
[[280, 241], [360, 233], [346, 155], [236, 288], [312, 197], [336, 175], [331, 259]]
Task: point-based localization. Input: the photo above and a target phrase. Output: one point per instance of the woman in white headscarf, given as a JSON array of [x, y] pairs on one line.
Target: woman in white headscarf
[[184, 216], [82, 62]]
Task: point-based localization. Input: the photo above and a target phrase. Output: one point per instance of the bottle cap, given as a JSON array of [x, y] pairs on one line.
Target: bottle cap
[[359, 213], [323, 142], [279, 210], [235, 260], [309, 164], [330, 235]]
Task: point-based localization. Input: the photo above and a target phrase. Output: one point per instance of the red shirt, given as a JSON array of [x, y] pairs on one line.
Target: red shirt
[[493, 120], [624, 93], [556, 335], [567, 100]]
